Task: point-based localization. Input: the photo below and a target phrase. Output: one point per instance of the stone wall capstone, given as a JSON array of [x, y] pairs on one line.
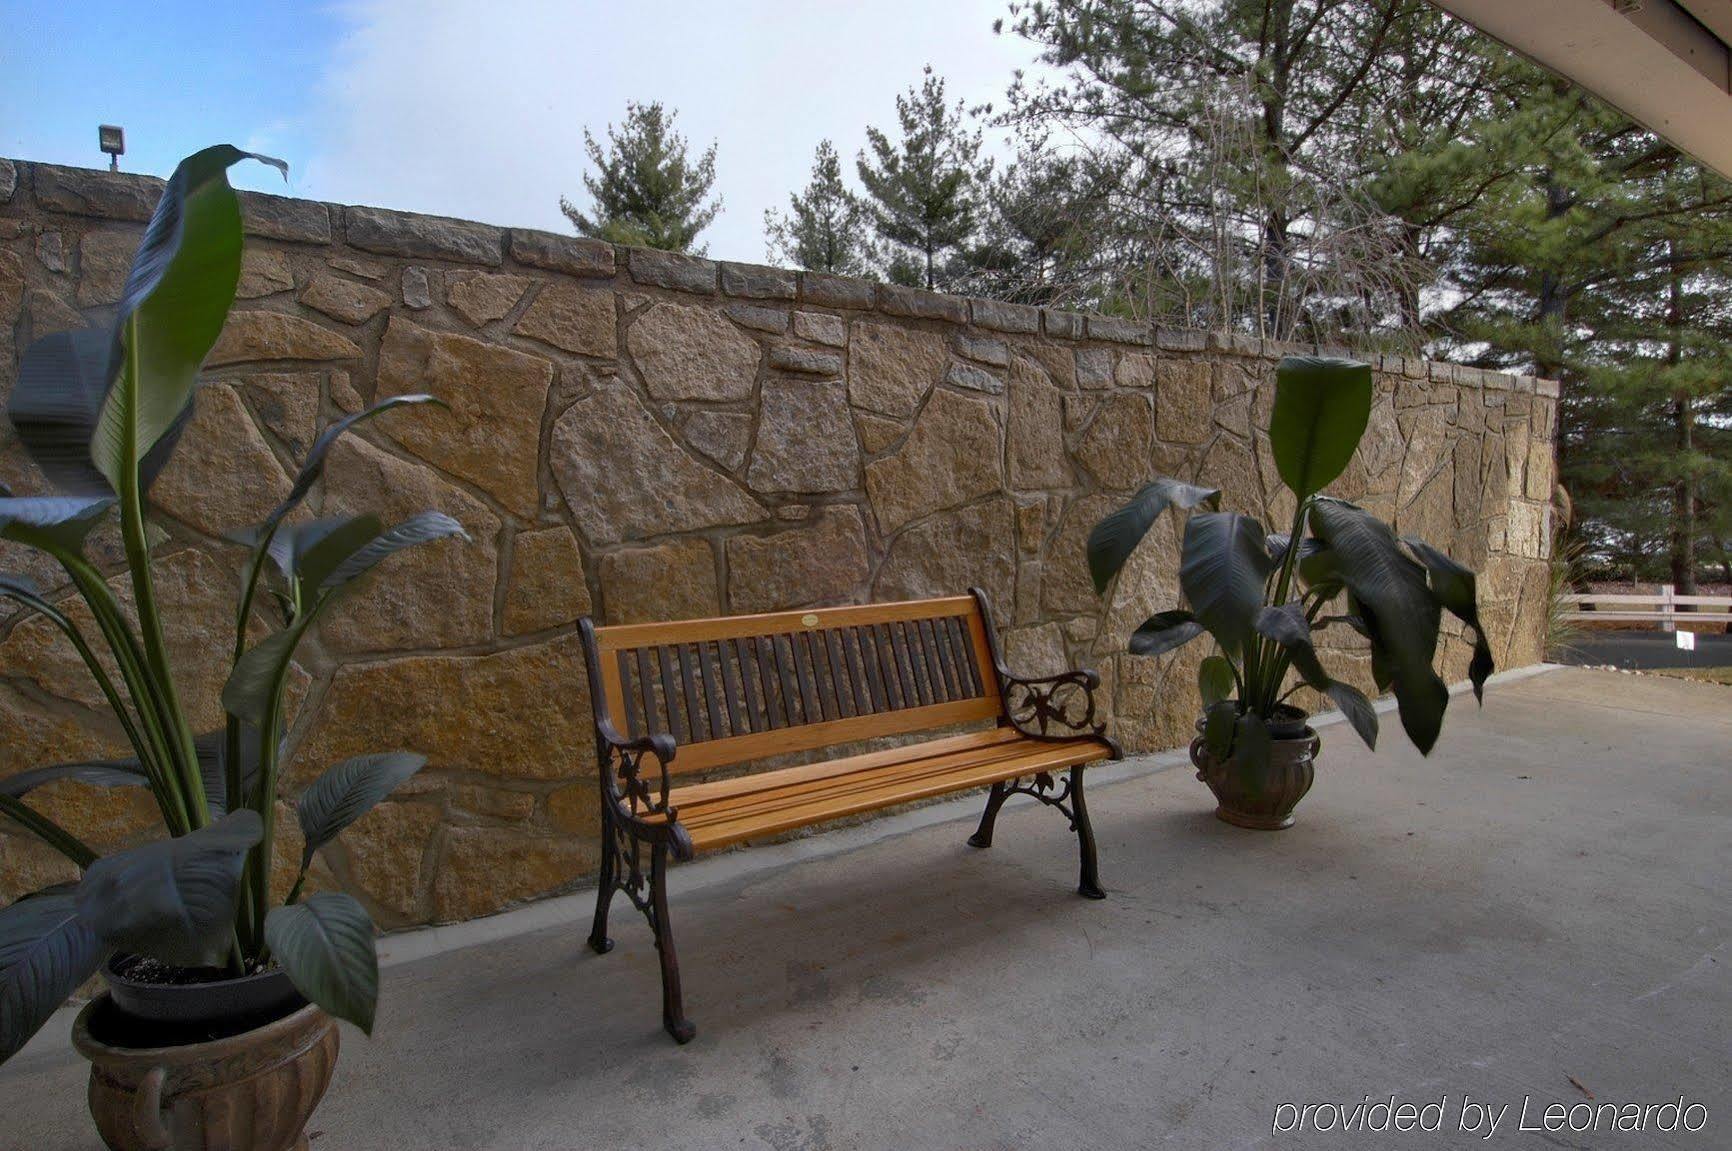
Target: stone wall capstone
[[651, 436]]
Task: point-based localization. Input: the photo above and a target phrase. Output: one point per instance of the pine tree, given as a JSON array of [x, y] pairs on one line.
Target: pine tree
[[924, 189], [646, 191], [1046, 222], [1602, 265], [826, 228]]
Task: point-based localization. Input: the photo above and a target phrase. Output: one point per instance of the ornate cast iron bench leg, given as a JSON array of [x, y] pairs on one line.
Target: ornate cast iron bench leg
[[1068, 798], [598, 940], [1089, 886], [673, 1004], [983, 835]]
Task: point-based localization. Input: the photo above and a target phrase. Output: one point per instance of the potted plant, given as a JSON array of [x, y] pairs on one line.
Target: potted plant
[[1262, 596], [206, 1037]]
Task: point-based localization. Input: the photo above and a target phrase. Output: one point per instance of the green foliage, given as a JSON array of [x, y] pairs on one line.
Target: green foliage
[[827, 227], [103, 425], [924, 190], [1262, 597], [646, 189]]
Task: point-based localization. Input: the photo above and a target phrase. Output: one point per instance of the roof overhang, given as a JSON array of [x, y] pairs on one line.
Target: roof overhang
[[1665, 63]]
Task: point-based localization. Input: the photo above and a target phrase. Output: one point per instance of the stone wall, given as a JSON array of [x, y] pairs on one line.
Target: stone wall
[[649, 436]]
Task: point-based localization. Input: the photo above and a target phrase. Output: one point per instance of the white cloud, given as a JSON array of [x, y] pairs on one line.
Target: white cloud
[[477, 110]]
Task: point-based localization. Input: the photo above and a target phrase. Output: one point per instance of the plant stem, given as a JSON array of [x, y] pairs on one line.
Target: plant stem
[[1271, 685], [179, 733], [48, 831], [155, 753]]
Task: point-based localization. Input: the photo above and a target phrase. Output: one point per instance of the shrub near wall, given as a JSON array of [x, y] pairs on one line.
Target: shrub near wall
[[651, 436]]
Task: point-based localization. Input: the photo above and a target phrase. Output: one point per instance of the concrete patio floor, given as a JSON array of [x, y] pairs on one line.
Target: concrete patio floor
[[1540, 910]]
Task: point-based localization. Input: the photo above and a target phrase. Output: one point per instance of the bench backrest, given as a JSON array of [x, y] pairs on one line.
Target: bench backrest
[[740, 688]]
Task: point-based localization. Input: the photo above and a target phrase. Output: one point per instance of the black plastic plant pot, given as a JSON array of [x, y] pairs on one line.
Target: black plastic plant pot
[[1288, 722], [207, 1003]]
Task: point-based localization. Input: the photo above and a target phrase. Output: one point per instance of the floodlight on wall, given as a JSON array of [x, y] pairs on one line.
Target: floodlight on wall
[[111, 138]]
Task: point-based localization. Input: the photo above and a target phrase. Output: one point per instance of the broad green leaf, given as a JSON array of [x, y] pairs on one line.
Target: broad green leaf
[[325, 945], [51, 523], [213, 767], [1317, 566], [314, 465], [1164, 631], [1401, 615], [308, 553], [1219, 721], [1358, 710], [62, 381], [1251, 744], [100, 773], [1456, 588], [1114, 539], [172, 309], [1222, 571], [174, 899], [1287, 626], [423, 527], [257, 678], [46, 952], [1215, 680], [1321, 408], [347, 792], [57, 403]]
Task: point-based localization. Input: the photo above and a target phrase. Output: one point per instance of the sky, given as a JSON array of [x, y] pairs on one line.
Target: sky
[[477, 109]]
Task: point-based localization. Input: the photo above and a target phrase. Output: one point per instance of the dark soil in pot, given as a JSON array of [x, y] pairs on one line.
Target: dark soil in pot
[[156, 1005]]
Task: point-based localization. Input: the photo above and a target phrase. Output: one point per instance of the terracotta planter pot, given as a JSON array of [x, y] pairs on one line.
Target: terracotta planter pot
[[1263, 800], [253, 1091]]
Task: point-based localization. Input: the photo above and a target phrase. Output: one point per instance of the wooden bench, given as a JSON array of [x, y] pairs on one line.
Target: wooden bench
[[726, 692]]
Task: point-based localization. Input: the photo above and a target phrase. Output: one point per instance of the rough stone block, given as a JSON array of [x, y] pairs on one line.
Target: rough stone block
[[490, 432], [971, 378], [1002, 317], [759, 319], [344, 300], [830, 291], [573, 255], [952, 455], [821, 328], [623, 477], [87, 192], [286, 218], [675, 580], [686, 353], [673, 271], [423, 237], [758, 282], [1118, 330], [573, 319], [806, 361], [824, 563], [546, 588], [921, 304], [805, 440]]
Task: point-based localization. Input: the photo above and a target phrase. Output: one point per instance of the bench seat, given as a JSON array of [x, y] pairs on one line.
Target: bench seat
[[673, 700], [752, 806]]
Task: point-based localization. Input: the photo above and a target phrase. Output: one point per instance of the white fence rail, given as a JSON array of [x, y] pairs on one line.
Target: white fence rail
[[1661, 608]]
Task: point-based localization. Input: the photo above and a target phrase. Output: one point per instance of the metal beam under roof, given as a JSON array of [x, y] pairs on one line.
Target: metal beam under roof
[[1665, 63]]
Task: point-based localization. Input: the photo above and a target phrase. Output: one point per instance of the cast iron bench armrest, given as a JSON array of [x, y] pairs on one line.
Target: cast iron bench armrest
[[641, 804], [1036, 705]]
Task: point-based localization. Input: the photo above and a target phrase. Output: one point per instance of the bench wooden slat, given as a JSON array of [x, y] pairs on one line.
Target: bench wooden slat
[[770, 623], [1044, 757], [670, 697], [809, 680], [697, 794], [774, 791]]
